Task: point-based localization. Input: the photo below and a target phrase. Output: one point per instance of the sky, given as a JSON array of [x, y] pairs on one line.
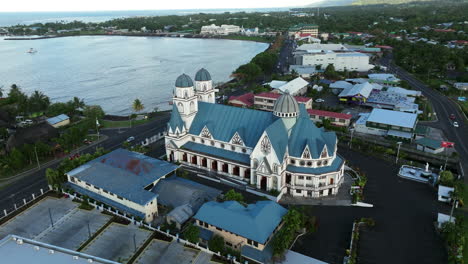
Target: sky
[[104, 5]]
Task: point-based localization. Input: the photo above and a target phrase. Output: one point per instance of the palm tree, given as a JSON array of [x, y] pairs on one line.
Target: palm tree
[[78, 103], [38, 101], [137, 105]]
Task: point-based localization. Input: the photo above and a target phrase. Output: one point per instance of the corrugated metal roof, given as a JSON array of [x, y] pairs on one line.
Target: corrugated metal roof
[[394, 118], [124, 173], [57, 119], [278, 136], [429, 142], [363, 89], [224, 121], [329, 114], [256, 221], [176, 121], [294, 86]]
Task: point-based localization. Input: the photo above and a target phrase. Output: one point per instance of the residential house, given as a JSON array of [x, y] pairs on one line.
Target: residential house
[[59, 121], [336, 119], [244, 100], [429, 145], [382, 122], [266, 101]]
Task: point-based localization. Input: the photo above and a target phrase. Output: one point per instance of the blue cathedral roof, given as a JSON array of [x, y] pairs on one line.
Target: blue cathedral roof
[[278, 136], [184, 81], [202, 75], [224, 121], [175, 121], [316, 138]]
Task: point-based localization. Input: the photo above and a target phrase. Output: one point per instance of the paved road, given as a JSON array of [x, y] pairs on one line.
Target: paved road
[[444, 107], [15, 192], [285, 56]]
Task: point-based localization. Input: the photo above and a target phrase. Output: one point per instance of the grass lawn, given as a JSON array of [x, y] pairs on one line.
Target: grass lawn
[[125, 123], [465, 249], [464, 106]]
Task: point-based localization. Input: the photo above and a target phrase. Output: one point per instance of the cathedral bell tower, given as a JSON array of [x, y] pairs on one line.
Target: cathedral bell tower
[[204, 86], [185, 99]]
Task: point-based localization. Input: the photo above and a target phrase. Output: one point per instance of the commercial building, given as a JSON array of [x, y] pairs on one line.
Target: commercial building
[[461, 86], [220, 30], [247, 229], [295, 87], [19, 250], [336, 119], [324, 54], [299, 29], [266, 101], [392, 101], [429, 145], [280, 150], [356, 94], [384, 78], [122, 179], [58, 121], [387, 123]]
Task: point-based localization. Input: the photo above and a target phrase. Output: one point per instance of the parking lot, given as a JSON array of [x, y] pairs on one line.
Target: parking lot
[[117, 242], [162, 252], [36, 219], [72, 231]]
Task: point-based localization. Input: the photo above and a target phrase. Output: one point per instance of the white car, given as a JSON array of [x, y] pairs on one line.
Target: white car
[[455, 124], [130, 139], [28, 122], [319, 100]]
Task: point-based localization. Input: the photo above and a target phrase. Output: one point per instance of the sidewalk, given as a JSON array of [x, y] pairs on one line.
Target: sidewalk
[[9, 180]]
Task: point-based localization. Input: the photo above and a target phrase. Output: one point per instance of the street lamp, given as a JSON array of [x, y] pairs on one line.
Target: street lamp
[[351, 141], [398, 151]]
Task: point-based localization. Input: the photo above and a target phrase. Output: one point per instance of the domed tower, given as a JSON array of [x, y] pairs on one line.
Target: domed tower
[[287, 108], [185, 99], [204, 86]]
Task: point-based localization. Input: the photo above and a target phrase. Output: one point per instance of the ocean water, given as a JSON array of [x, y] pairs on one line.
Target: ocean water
[[112, 71], [27, 18]]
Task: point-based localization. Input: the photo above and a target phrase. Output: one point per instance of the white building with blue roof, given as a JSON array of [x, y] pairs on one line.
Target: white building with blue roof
[[59, 121], [248, 229], [124, 180], [281, 150]]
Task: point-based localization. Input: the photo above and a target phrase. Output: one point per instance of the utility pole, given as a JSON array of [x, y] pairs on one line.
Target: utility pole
[[89, 230], [50, 216], [351, 141], [455, 204], [398, 151], [446, 159], [37, 158], [97, 128], [134, 242]]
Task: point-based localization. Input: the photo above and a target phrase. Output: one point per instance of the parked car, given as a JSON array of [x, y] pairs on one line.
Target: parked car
[[28, 122], [130, 139], [87, 141], [319, 100], [452, 116]]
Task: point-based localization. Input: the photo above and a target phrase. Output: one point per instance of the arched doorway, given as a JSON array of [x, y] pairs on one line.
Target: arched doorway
[[184, 157], [194, 160], [263, 183], [204, 162], [225, 168], [171, 156], [247, 174], [214, 165], [331, 181], [235, 170], [288, 178]]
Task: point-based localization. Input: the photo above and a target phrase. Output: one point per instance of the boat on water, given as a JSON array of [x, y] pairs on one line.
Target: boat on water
[[31, 50]]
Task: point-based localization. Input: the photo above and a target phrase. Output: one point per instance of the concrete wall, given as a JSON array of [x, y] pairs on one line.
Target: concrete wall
[[62, 123]]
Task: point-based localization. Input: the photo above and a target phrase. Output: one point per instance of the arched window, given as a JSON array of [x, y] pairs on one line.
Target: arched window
[[192, 106], [181, 107], [210, 97], [185, 95], [204, 87]]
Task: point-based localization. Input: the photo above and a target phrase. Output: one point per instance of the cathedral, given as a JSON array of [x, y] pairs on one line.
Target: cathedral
[[281, 150]]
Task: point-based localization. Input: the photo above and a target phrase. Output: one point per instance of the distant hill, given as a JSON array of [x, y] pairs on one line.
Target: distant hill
[[324, 3]]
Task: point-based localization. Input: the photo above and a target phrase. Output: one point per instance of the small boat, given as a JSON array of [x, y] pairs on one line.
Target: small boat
[[31, 50]]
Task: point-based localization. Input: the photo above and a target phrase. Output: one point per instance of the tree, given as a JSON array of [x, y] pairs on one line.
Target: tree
[[1, 92], [249, 71], [330, 72], [192, 234], [266, 61], [16, 159], [53, 177], [78, 103], [38, 102], [232, 195], [137, 105], [446, 178], [216, 244], [93, 112]]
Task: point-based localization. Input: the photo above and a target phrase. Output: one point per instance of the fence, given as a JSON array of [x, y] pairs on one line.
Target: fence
[[153, 139], [25, 202], [150, 227]]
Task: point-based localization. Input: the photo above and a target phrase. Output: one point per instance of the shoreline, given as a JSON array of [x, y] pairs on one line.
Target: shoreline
[[168, 35]]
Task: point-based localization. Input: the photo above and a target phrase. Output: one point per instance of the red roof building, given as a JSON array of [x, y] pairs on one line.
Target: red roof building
[[384, 47], [444, 30], [266, 100], [245, 100], [336, 119]]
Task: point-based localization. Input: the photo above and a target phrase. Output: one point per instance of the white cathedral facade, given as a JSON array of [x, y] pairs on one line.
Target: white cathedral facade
[[281, 150]]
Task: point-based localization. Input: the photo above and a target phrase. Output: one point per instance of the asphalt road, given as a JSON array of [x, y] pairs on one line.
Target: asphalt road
[[285, 56], [404, 212], [444, 107], [24, 187]]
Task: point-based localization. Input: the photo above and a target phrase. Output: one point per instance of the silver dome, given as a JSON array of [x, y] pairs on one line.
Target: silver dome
[[286, 106]]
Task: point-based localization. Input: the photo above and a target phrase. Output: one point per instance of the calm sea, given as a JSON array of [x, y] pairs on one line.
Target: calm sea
[[112, 71]]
